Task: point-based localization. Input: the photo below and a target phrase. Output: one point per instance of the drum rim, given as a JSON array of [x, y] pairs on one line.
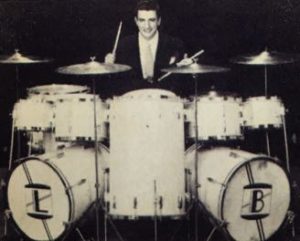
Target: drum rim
[[61, 89], [68, 193], [229, 178]]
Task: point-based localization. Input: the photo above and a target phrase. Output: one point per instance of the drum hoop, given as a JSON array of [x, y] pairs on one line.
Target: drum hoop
[[58, 172], [36, 90], [230, 176]]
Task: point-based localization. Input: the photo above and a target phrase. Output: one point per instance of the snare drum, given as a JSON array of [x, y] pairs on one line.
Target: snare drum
[[263, 112], [74, 118], [147, 151], [48, 193], [219, 117], [248, 193]]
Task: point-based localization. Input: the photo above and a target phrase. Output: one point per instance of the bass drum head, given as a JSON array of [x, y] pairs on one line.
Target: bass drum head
[[47, 194], [44, 217], [263, 201]]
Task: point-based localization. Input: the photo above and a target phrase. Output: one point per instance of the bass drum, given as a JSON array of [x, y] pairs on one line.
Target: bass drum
[[48, 193], [147, 155], [248, 193]]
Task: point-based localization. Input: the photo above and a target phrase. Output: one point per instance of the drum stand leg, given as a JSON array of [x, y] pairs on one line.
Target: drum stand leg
[[196, 156], [266, 95], [217, 224], [268, 142], [96, 163], [286, 146], [12, 140], [80, 234]]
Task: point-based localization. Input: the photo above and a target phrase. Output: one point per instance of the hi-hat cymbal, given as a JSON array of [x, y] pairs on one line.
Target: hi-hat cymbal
[[266, 58], [195, 69], [93, 68], [18, 58]]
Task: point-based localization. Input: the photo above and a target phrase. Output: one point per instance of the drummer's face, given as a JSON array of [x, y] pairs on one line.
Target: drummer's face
[[147, 22]]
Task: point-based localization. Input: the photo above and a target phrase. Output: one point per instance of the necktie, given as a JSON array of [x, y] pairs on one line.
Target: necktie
[[149, 63]]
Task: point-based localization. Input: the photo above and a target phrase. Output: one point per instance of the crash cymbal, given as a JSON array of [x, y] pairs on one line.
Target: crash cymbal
[[195, 69], [266, 58], [93, 68], [18, 58]]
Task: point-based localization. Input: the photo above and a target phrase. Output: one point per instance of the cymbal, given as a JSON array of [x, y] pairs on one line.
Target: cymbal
[[195, 69], [18, 58], [93, 68], [266, 58]]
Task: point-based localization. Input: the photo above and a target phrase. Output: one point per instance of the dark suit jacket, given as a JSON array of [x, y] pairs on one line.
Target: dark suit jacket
[[128, 53]]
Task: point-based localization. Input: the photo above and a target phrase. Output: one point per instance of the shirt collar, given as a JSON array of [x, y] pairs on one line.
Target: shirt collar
[[152, 41]]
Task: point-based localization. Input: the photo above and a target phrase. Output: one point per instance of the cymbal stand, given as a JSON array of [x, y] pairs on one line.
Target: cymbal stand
[[80, 234], [196, 153], [266, 95], [286, 146], [17, 97], [96, 162], [105, 204]]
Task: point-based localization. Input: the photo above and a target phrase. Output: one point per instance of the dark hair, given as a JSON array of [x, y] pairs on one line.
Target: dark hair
[[147, 5]]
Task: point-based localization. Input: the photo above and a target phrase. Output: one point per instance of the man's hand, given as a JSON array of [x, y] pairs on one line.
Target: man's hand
[[110, 58], [185, 61]]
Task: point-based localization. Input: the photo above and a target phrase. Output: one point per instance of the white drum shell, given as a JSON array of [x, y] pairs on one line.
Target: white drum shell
[[70, 177], [74, 118], [33, 114], [223, 177], [218, 117], [147, 151], [262, 112]]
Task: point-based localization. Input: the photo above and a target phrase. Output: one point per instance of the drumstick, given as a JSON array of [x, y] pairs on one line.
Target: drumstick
[[197, 54], [117, 39], [192, 57]]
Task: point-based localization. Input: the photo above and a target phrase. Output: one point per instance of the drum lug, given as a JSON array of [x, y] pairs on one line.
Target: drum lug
[[160, 202], [180, 203], [135, 202]]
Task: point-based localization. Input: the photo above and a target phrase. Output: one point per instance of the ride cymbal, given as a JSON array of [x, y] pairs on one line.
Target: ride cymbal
[[93, 68]]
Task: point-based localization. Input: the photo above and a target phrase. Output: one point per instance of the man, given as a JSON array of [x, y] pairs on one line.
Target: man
[[149, 51]]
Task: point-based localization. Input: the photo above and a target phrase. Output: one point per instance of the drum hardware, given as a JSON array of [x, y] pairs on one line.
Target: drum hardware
[[60, 199], [286, 146], [18, 59], [80, 234], [80, 182], [93, 68], [57, 89], [156, 203], [269, 184], [266, 58], [195, 69], [212, 180]]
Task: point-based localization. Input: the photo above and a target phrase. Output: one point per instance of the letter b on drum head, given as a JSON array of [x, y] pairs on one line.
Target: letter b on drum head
[[256, 201]]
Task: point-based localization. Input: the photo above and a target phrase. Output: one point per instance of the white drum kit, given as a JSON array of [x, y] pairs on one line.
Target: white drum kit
[[145, 172]]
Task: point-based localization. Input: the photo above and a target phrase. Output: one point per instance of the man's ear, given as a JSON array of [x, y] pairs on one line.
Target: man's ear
[[159, 21]]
